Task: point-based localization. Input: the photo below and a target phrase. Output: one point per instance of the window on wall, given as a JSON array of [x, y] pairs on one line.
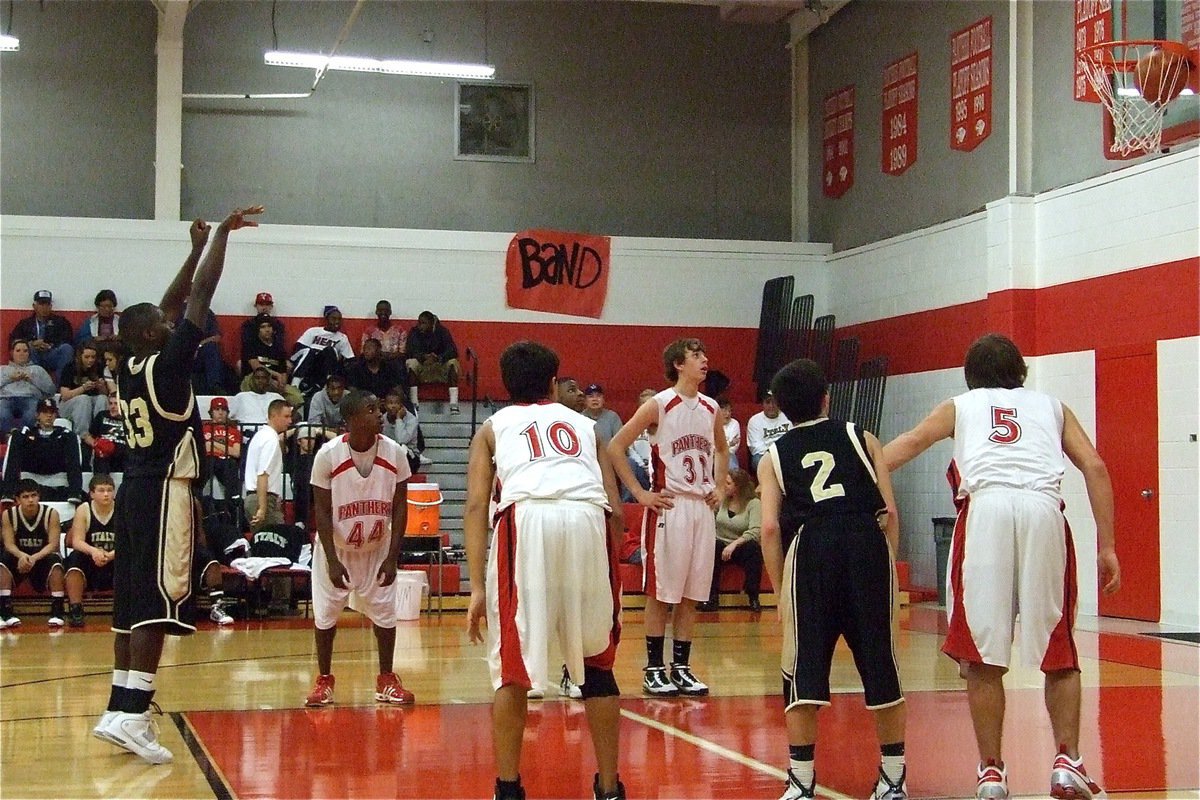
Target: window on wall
[[494, 122]]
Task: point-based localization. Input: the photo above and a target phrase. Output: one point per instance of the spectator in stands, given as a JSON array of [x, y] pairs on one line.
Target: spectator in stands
[[370, 372], [401, 426], [31, 534], [47, 454], [392, 338], [320, 352], [250, 407], [266, 350], [223, 446], [569, 394], [112, 354], [324, 408], [93, 539], [209, 371], [764, 428], [106, 439], [607, 421], [82, 391], [49, 334], [639, 454], [431, 357], [733, 430], [22, 385], [262, 486], [104, 324], [739, 538], [264, 306], [324, 422]]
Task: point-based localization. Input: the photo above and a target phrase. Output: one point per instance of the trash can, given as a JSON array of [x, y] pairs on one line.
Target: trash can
[[943, 535]]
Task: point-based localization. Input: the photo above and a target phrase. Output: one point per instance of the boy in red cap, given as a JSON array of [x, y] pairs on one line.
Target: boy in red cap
[[223, 446]]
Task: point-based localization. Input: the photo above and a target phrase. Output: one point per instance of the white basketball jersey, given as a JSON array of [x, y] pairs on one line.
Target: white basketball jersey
[[682, 447], [362, 505], [546, 451], [1008, 438]]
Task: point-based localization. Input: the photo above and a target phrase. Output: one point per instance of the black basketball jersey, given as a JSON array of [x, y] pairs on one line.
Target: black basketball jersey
[[277, 541], [162, 422], [824, 469], [31, 535], [101, 534]]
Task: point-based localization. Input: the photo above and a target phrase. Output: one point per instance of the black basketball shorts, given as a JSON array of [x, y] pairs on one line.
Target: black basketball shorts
[[39, 576], [96, 579]]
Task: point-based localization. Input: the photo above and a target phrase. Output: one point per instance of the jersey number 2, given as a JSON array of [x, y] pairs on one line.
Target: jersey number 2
[[821, 488]]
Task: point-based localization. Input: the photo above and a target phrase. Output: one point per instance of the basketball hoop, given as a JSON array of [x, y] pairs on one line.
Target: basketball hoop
[[1112, 68]]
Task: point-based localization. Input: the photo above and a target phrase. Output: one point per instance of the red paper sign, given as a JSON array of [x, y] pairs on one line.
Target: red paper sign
[[838, 141], [563, 273], [1093, 25], [971, 85], [900, 115]]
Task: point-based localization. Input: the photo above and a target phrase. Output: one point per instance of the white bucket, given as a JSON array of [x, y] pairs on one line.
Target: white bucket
[[410, 586]]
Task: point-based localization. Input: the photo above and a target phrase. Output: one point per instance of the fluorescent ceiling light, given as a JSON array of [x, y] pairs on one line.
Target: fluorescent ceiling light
[[428, 69], [9, 43]]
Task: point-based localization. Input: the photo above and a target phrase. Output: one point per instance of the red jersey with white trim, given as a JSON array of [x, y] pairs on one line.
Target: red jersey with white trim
[[1009, 438], [681, 450], [546, 451], [361, 504]]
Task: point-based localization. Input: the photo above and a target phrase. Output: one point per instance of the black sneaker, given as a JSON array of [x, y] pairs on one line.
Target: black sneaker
[[75, 615], [656, 683], [519, 794], [683, 680], [619, 794]]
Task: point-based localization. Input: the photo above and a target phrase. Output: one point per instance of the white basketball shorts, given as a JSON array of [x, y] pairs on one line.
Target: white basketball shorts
[[377, 602]]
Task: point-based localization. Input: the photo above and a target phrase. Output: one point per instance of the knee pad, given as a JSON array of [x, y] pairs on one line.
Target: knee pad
[[598, 683]]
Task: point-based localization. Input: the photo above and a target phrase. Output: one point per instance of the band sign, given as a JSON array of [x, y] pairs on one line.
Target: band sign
[[971, 85], [900, 115], [1093, 25], [563, 273], [838, 141]]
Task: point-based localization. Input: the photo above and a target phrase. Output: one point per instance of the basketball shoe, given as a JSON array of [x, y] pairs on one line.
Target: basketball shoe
[[683, 680], [1068, 779], [322, 692], [101, 729], [886, 790], [568, 687], [795, 790], [138, 734], [514, 794], [219, 615], [75, 615], [56, 613], [388, 689], [535, 693], [993, 781], [619, 794], [656, 683]]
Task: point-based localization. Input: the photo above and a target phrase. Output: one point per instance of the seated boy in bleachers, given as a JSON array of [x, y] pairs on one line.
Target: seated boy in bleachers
[[48, 455], [31, 533], [93, 539]]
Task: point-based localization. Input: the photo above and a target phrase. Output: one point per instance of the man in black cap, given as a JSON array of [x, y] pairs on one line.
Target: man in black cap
[[49, 334], [47, 454]]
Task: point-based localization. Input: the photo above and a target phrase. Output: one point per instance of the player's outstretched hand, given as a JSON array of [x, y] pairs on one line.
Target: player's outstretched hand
[[338, 575], [387, 572], [199, 232], [476, 617], [1110, 571], [237, 220], [656, 500]]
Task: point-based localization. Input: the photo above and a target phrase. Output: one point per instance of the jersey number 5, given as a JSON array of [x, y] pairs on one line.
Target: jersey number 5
[[821, 488], [1005, 429], [562, 438], [137, 423]]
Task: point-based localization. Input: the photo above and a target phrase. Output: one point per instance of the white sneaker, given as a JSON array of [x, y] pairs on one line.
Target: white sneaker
[[12, 622], [101, 729], [568, 687], [425, 460], [993, 782], [795, 790], [55, 622], [138, 734], [535, 693], [219, 615], [886, 790]]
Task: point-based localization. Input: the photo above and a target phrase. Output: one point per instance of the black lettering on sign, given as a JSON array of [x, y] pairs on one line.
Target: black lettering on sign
[[557, 264]]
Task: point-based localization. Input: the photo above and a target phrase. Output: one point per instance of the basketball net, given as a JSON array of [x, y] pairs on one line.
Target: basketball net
[[1110, 68]]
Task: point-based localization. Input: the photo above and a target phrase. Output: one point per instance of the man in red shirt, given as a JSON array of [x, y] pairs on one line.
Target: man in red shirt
[[223, 448]]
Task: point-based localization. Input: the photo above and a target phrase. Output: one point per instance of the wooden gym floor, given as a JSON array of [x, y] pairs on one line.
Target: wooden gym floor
[[233, 716]]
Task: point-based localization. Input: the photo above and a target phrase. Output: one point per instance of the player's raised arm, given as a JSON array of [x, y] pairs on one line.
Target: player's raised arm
[[177, 292], [481, 473], [204, 284], [907, 446]]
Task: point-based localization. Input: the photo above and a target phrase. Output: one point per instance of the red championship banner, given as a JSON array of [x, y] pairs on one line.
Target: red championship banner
[[900, 115], [971, 85], [1093, 25], [563, 273], [838, 141]]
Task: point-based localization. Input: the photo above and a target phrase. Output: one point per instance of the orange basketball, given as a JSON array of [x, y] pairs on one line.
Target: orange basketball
[[1160, 76]]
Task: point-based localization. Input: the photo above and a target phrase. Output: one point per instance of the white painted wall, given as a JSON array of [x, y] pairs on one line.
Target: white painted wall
[[1179, 480], [460, 274]]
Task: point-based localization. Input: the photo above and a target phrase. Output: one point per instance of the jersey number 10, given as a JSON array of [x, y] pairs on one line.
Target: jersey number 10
[[561, 437]]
